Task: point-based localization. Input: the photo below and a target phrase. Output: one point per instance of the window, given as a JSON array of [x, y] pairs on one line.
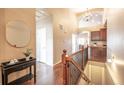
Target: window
[[93, 19]]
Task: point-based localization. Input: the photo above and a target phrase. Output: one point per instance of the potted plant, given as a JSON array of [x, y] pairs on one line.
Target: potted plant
[[27, 54]]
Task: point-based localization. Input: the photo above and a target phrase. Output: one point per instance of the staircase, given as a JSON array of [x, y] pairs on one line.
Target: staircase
[[71, 68]]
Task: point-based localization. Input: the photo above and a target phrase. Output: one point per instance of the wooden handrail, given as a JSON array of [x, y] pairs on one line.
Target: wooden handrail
[[62, 67], [76, 53], [66, 59], [81, 50]]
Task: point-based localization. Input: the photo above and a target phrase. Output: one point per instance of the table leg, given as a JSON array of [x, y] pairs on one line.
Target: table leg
[[30, 71], [35, 73], [5, 78], [2, 77]]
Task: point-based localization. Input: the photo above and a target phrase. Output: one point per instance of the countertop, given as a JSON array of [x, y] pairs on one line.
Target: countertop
[[98, 46]]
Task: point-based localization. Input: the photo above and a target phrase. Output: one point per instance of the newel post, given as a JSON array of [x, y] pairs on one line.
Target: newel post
[[64, 67]]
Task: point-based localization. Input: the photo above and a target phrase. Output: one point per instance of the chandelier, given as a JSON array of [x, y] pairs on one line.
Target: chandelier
[[88, 16]]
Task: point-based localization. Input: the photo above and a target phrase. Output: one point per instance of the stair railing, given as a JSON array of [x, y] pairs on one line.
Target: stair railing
[[70, 68]]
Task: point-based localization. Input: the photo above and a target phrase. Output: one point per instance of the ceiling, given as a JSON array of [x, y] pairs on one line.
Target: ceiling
[[41, 14]]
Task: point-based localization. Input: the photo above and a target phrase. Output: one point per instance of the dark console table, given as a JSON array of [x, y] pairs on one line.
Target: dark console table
[[22, 64]]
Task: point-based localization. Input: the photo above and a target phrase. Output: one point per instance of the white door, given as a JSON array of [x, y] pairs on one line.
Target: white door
[[44, 39], [41, 44]]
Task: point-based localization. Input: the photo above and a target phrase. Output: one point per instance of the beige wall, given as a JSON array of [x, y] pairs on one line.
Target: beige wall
[[8, 52], [115, 34], [115, 43], [62, 40]]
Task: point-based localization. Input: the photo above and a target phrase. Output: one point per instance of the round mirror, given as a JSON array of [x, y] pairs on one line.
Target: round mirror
[[17, 33]]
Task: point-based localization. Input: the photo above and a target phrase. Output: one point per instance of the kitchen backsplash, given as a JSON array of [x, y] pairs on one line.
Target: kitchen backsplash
[[98, 43]]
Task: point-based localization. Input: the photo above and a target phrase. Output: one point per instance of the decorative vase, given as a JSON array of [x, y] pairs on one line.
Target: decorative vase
[[27, 58]]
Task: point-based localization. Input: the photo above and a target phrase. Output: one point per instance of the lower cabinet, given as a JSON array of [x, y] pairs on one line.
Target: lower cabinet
[[98, 54]]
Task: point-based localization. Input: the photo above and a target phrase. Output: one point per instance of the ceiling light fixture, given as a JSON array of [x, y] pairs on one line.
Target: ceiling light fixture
[[88, 16]]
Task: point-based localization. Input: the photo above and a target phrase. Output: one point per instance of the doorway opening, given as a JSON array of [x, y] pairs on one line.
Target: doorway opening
[[44, 37], [74, 42]]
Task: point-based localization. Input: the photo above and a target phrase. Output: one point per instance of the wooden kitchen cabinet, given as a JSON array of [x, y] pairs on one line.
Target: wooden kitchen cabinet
[[103, 34], [98, 54], [95, 36], [99, 35]]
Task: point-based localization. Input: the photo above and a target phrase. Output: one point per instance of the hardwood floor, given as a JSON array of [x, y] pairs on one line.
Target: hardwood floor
[[45, 75]]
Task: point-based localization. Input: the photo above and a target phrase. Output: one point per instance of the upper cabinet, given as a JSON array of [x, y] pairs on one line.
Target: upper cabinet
[[95, 36], [99, 35], [103, 34]]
